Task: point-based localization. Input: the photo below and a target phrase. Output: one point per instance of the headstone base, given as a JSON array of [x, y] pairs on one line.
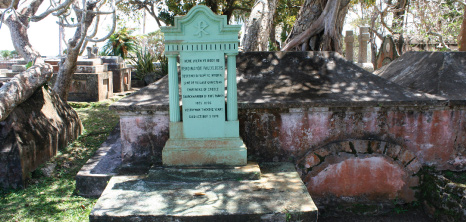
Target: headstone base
[[198, 174], [202, 152]]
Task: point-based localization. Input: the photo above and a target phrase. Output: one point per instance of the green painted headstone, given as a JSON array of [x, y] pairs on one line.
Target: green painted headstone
[[206, 132]]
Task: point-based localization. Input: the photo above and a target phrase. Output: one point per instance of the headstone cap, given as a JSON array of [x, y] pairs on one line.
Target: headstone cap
[[200, 25]]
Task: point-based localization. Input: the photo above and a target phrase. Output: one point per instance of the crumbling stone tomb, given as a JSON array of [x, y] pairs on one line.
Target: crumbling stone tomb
[[353, 136], [33, 132], [96, 78]]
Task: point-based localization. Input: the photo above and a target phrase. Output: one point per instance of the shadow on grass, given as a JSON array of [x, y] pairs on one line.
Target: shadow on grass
[[53, 198]]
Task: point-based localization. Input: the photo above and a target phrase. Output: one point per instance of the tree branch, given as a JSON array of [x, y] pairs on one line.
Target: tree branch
[[380, 36], [316, 27], [441, 39], [63, 5], [152, 12], [22, 86], [112, 30]]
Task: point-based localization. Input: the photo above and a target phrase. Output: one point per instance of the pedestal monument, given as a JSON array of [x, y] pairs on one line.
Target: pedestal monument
[[206, 132]]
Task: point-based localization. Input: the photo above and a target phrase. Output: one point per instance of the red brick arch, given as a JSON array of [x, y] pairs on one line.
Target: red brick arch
[[371, 170]]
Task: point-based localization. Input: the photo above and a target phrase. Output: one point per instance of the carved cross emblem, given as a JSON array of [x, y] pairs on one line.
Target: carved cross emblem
[[201, 29]]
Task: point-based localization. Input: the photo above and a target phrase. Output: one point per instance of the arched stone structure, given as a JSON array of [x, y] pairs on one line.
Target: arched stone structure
[[366, 170]]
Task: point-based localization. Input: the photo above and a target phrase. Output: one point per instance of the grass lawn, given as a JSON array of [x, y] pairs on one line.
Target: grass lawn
[[54, 198]]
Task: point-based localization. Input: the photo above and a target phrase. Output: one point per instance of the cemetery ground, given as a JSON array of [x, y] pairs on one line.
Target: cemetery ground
[[53, 197], [50, 194]]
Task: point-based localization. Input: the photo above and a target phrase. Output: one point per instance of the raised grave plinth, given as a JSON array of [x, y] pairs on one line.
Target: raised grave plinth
[[206, 132], [279, 195], [121, 73], [92, 82]]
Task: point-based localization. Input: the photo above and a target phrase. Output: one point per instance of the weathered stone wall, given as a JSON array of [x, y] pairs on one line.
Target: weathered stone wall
[[364, 153], [121, 73], [32, 134], [372, 153], [353, 136], [143, 137]]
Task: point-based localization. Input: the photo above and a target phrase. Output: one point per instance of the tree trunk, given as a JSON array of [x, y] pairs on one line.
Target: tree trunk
[[228, 9], [68, 67], [318, 26], [462, 35], [18, 31], [398, 22], [273, 40], [22, 86], [259, 25], [213, 5], [373, 40]]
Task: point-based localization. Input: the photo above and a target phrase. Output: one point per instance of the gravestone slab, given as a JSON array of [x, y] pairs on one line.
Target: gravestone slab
[[206, 132], [387, 52], [279, 195]]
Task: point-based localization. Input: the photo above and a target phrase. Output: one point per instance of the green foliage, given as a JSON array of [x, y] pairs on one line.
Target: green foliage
[[457, 177], [152, 42], [163, 65], [5, 54], [144, 63], [432, 192], [54, 198], [120, 43], [166, 10], [29, 65], [287, 11], [364, 3]]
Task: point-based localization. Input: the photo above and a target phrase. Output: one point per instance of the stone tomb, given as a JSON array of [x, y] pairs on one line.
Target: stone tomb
[[205, 176], [121, 73], [207, 135], [92, 82]]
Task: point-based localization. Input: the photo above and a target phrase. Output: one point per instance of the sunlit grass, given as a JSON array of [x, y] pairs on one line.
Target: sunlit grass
[[54, 198]]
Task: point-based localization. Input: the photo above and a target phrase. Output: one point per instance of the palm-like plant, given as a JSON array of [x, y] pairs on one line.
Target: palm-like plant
[[144, 63], [120, 43]]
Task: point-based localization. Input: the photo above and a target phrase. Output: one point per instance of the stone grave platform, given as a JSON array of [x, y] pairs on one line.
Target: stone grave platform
[[92, 81], [279, 195], [121, 73]]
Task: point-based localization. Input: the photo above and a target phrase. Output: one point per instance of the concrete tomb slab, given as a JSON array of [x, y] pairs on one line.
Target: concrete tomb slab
[[89, 62], [209, 131], [279, 195]]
